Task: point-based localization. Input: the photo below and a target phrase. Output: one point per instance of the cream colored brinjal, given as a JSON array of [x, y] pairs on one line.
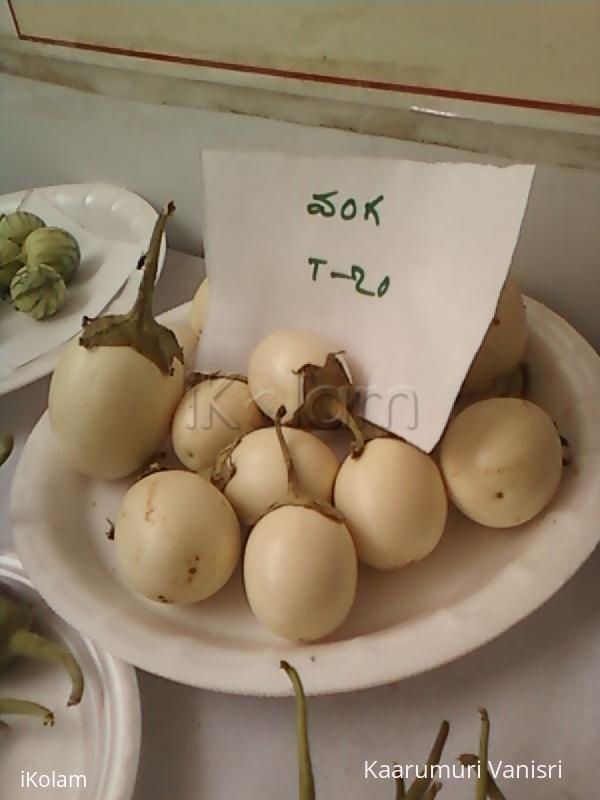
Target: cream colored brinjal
[[253, 475], [114, 390], [394, 502], [213, 414], [300, 565], [503, 347], [502, 461], [177, 538], [305, 376]]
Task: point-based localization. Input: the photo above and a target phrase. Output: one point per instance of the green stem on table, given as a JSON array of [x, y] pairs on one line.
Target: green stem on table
[[433, 791], [10, 706], [420, 785], [26, 643], [493, 790], [306, 778], [484, 739], [400, 788]]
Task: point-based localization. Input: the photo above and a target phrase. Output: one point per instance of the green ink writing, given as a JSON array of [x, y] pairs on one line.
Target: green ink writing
[[348, 210], [371, 209], [322, 204], [315, 263], [383, 286], [340, 275], [357, 274]]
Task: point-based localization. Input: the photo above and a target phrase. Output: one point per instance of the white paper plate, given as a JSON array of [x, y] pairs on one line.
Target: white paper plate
[[107, 211], [477, 583], [100, 738]]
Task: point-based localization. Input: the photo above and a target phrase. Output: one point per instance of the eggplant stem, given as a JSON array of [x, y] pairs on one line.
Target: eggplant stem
[[143, 303], [224, 469], [400, 788], [137, 328], [295, 495], [27, 643], [439, 744], [484, 739], [372, 431], [306, 778], [341, 412], [433, 791], [420, 785], [25, 707], [195, 378], [493, 790], [292, 478]]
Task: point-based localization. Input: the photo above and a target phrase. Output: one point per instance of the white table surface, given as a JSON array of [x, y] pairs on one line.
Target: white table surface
[[540, 682]]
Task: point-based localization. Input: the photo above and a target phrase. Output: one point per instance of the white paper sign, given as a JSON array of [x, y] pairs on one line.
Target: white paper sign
[[398, 263], [105, 267]]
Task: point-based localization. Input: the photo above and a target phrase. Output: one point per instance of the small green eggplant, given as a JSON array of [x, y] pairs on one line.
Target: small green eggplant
[[55, 248], [17, 225], [37, 290], [10, 263]]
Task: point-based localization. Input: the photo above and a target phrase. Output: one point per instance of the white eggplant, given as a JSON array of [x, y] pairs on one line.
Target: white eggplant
[[302, 374], [114, 390], [394, 502], [212, 415], [300, 565], [502, 461], [177, 538], [503, 347], [300, 573], [254, 476]]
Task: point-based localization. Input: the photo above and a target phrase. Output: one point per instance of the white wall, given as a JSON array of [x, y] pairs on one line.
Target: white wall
[[49, 134]]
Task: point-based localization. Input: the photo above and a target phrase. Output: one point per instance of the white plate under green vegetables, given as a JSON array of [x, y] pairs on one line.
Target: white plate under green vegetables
[[98, 739], [37, 263], [106, 211]]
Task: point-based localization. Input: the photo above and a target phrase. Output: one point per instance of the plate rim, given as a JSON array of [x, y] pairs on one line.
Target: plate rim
[[44, 364], [385, 666], [119, 681]]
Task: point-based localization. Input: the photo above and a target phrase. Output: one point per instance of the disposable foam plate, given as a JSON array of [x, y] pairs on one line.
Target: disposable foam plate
[[110, 212], [475, 585], [96, 743]]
